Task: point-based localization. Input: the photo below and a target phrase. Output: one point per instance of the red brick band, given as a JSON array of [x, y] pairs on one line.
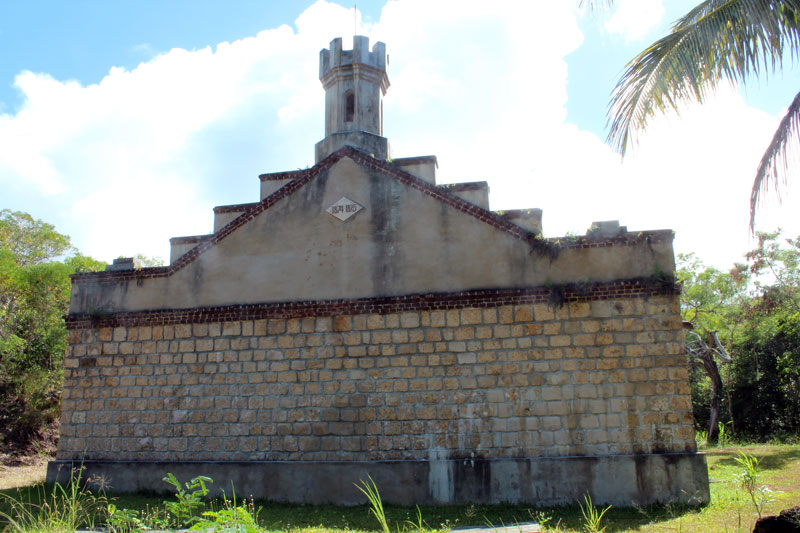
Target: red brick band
[[623, 289]]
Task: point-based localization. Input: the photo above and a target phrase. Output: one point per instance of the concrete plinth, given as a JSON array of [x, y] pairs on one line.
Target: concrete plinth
[[621, 480]]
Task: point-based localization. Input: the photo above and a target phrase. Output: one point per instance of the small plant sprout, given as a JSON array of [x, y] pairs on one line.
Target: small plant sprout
[[760, 495], [370, 490], [188, 500], [543, 519], [701, 437], [592, 517], [124, 519], [419, 524]]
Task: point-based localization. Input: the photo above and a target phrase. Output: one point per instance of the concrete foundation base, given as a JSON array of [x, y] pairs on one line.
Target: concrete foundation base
[[621, 480]]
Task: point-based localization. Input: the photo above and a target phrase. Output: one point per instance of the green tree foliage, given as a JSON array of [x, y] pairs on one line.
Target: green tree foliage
[[755, 308], [766, 382], [146, 261], [35, 265], [717, 41]]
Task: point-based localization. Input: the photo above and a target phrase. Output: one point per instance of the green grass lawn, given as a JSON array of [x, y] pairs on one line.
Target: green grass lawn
[[730, 508]]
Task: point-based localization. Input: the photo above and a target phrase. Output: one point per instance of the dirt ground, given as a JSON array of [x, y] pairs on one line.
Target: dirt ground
[[22, 473]]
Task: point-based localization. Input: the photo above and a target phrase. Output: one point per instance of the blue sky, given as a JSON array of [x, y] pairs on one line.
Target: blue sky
[[124, 123]]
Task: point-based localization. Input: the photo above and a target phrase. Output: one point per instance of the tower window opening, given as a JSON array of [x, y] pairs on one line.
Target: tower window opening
[[349, 106]]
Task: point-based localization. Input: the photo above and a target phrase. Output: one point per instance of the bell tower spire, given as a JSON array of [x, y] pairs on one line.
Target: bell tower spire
[[355, 82]]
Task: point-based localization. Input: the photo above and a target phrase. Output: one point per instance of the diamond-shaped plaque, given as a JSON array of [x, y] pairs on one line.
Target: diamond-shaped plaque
[[344, 208]]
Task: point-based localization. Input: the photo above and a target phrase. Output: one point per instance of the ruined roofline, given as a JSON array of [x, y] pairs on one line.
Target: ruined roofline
[[464, 186], [416, 160], [513, 213], [303, 177], [478, 298], [233, 208], [190, 239], [280, 176]]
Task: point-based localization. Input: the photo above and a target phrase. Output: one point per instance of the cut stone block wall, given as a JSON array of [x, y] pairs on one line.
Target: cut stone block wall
[[508, 376]]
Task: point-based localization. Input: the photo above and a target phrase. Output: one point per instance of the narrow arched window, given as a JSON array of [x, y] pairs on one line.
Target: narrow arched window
[[349, 106]]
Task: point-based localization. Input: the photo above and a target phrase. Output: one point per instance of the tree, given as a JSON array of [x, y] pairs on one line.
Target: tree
[[145, 261], [766, 380], [30, 241], [717, 41], [755, 308], [703, 355], [711, 302], [34, 297]]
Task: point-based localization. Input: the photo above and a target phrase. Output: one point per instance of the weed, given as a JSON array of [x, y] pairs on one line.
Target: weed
[[760, 495], [701, 438], [63, 508], [470, 511], [724, 436], [188, 500], [419, 524], [233, 518], [370, 490], [592, 517], [543, 519], [123, 520]]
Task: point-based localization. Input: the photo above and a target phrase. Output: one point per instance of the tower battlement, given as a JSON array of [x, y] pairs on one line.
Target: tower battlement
[[334, 58], [355, 82]]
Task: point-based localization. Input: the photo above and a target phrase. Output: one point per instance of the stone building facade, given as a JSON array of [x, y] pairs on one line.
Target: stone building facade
[[362, 320]]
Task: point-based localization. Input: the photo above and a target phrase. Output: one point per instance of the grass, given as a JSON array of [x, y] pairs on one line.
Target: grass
[[730, 509]]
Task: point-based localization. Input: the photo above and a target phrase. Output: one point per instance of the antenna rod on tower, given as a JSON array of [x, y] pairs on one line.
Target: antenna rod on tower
[[355, 7]]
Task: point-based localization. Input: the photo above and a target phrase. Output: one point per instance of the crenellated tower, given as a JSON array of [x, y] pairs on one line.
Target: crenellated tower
[[355, 82]]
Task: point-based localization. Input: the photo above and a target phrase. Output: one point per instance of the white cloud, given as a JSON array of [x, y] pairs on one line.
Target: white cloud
[[698, 170], [634, 19], [130, 153]]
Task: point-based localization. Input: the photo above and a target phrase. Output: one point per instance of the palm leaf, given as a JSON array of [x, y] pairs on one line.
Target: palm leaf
[[698, 12], [717, 41], [780, 155], [595, 4]]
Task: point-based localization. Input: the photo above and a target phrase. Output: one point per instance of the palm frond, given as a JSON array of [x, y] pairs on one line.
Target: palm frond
[[699, 11], [781, 154], [734, 40], [595, 4]]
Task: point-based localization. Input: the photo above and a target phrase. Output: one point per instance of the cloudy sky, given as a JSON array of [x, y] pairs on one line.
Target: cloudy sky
[[125, 123]]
